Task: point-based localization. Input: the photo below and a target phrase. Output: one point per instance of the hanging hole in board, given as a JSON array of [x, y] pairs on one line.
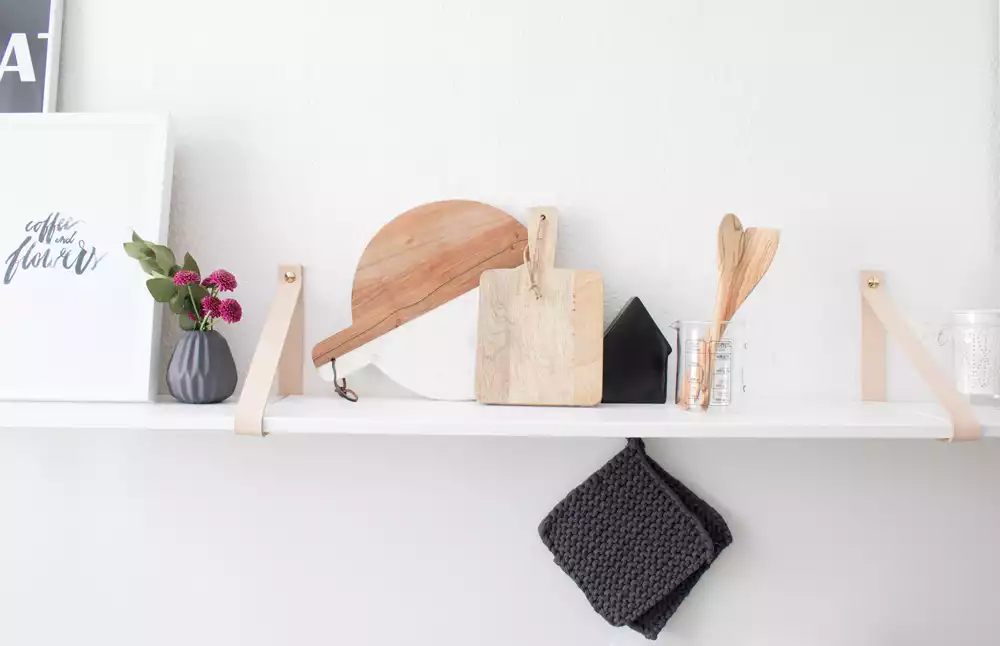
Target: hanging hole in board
[[341, 388]]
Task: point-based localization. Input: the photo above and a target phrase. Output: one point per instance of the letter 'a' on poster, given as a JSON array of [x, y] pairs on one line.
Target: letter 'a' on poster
[[30, 34]]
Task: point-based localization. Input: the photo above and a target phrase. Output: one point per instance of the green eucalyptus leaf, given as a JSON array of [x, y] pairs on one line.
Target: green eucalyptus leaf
[[186, 323], [138, 250], [137, 238], [161, 289], [164, 257], [173, 270], [179, 303], [150, 267], [190, 264], [199, 292]]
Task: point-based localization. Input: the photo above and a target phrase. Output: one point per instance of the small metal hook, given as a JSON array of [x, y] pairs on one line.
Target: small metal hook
[[341, 388]]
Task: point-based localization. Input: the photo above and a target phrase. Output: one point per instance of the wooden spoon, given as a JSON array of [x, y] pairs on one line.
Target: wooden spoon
[[759, 249], [730, 251]]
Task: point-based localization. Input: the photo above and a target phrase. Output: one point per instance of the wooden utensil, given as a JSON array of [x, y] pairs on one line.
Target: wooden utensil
[[759, 247], [422, 259], [540, 328], [729, 251]]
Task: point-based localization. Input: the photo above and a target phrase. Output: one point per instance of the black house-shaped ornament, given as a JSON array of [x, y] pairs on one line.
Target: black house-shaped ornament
[[635, 358]]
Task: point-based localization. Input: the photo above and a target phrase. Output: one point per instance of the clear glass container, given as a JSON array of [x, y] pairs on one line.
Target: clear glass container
[[974, 337], [727, 386]]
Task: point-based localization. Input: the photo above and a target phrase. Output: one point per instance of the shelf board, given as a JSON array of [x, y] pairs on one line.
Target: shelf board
[[372, 416], [152, 416]]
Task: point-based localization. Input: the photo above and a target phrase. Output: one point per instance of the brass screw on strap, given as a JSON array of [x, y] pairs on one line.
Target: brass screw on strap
[[874, 282], [290, 277]]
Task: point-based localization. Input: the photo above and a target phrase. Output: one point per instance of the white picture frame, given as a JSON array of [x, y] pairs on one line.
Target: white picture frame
[[78, 321], [30, 51]]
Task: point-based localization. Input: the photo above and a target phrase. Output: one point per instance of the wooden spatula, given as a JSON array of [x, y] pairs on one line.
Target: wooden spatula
[[759, 247], [541, 329], [730, 252]]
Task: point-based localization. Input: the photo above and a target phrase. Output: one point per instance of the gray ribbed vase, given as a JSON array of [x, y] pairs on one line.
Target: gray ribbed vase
[[201, 369]]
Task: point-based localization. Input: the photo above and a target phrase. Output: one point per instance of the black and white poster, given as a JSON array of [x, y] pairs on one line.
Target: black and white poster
[[29, 54], [77, 321]]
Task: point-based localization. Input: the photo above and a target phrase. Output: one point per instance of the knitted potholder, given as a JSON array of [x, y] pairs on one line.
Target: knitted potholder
[[635, 540]]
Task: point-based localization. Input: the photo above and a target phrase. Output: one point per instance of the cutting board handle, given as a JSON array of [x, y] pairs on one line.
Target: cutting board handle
[[541, 328], [543, 232]]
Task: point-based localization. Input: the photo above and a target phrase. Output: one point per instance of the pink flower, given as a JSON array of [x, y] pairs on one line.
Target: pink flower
[[185, 277], [192, 317], [211, 306], [222, 279], [231, 311]]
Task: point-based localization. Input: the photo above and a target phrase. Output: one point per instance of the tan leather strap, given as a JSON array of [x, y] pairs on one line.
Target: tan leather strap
[[878, 311], [279, 350]]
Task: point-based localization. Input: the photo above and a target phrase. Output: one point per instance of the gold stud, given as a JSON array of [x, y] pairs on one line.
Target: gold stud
[[290, 277], [874, 282]]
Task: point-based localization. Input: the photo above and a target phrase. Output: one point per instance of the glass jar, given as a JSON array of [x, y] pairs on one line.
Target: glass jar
[[727, 385], [974, 336]]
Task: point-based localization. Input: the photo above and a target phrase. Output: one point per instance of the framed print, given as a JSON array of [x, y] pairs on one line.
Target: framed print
[[78, 323], [30, 35]]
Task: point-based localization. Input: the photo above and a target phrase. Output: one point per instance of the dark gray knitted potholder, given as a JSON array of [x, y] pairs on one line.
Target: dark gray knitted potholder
[[635, 540]]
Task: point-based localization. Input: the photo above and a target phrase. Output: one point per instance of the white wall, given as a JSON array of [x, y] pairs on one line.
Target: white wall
[[863, 128], [120, 539]]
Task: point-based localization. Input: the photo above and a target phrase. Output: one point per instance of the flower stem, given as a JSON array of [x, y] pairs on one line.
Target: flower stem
[[215, 294], [194, 304]]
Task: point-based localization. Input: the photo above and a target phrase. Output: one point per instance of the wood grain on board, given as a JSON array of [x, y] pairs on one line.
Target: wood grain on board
[[541, 331], [422, 259]]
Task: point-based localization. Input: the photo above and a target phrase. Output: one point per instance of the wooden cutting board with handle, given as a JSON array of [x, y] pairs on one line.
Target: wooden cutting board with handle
[[541, 329], [422, 259]]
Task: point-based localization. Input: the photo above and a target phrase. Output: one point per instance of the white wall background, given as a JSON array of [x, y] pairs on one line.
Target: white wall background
[[863, 128]]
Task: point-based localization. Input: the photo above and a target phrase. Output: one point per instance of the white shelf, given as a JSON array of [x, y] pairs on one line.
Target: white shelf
[[160, 416], [373, 416]]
